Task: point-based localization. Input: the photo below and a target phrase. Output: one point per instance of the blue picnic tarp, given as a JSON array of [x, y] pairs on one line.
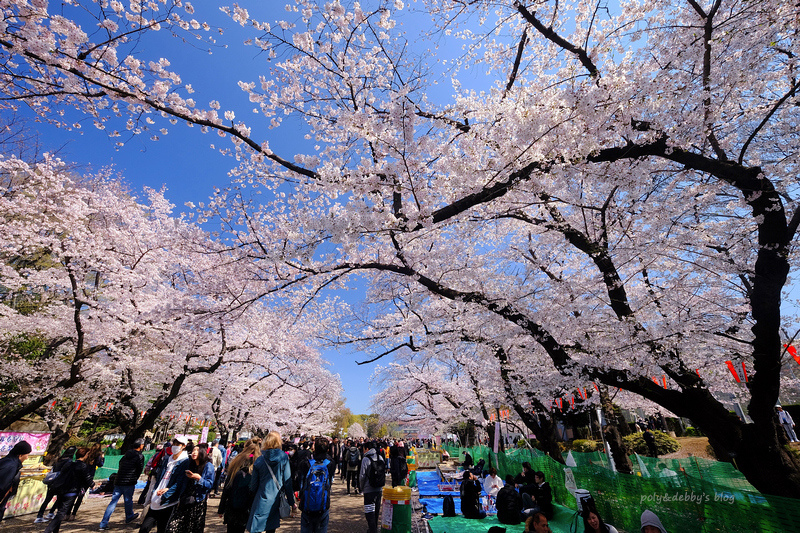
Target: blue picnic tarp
[[428, 483]]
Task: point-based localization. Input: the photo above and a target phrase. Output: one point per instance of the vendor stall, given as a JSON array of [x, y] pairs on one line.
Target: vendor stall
[[31, 490]]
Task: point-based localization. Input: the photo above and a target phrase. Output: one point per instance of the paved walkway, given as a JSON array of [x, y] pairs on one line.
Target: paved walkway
[[347, 516]]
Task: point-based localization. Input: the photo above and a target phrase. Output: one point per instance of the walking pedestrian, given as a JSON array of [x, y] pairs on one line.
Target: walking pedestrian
[[785, 420], [195, 480], [10, 465], [236, 499], [94, 460], [150, 470], [65, 458], [316, 477], [130, 468], [219, 467], [272, 479], [352, 459], [74, 478], [372, 478], [166, 477]]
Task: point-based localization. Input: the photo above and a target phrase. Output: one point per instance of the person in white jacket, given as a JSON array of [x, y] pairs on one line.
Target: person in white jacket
[[492, 484]]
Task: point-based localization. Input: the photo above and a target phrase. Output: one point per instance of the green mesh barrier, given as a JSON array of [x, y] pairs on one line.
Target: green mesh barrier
[[111, 464], [703, 495]]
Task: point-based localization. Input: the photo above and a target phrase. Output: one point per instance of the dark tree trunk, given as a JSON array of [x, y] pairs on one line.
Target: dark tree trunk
[[548, 438], [755, 449], [543, 427], [545, 430], [61, 435], [148, 420]]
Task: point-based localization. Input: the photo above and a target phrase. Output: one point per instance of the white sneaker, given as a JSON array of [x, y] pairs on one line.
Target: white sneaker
[[39, 520], [50, 516]]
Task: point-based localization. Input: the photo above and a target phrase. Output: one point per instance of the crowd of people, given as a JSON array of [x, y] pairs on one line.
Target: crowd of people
[[259, 483], [258, 480]]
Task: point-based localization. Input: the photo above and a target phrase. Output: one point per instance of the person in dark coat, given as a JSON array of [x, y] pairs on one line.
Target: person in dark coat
[[397, 465], [471, 497], [468, 463], [95, 459], [74, 478], [10, 465], [526, 481], [130, 468], [541, 498], [352, 461], [509, 503], [265, 513], [65, 458], [236, 499], [650, 440]]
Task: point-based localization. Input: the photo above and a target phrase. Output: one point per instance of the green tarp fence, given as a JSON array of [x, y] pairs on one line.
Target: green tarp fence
[[111, 465], [703, 496]]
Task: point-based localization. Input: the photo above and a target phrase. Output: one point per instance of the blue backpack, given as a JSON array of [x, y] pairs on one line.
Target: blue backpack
[[317, 487]]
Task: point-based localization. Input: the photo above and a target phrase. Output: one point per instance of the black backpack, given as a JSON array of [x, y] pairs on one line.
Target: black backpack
[[64, 479], [376, 473], [448, 506], [353, 459]]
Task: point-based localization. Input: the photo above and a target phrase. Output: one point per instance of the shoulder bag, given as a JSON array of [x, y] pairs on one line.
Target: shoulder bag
[[283, 504]]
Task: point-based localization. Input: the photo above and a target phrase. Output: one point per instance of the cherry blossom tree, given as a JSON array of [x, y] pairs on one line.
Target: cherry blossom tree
[[82, 274], [355, 431], [112, 301], [618, 186]]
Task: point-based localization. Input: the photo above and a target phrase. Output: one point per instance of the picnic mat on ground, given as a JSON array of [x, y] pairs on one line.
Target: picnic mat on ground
[[439, 524], [428, 484]]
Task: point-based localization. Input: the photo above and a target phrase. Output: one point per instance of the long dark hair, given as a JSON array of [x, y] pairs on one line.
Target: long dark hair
[[196, 466], [603, 527], [202, 456]]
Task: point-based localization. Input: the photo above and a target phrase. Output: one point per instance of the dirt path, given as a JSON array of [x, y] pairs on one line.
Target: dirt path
[[690, 446], [347, 516]]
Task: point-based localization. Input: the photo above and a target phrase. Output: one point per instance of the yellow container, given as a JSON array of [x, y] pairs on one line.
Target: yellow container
[[396, 513]]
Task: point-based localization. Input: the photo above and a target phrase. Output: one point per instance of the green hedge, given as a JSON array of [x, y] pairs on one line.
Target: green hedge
[[664, 443]]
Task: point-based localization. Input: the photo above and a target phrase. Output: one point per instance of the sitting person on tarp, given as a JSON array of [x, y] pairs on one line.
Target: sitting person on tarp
[[509, 503], [471, 497], [540, 499], [526, 481], [478, 468]]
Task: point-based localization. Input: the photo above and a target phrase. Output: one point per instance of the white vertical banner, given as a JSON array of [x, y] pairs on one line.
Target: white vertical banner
[[496, 435], [204, 435]]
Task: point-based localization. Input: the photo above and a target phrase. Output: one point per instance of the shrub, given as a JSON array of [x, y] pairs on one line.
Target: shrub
[[693, 432], [586, 445], [664, 443]]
